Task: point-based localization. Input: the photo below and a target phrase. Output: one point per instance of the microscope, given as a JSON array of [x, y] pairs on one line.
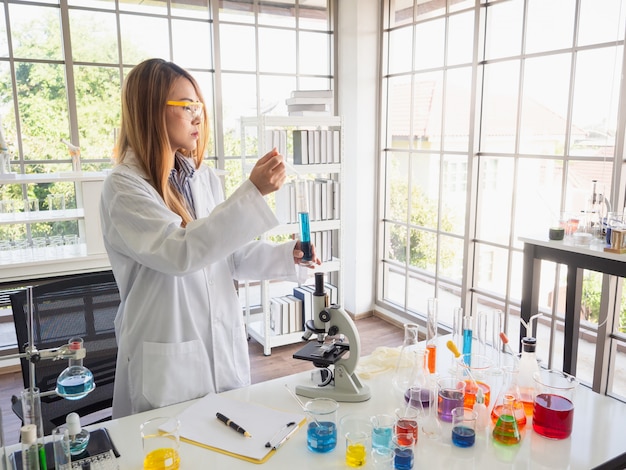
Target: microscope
[[332, 325]]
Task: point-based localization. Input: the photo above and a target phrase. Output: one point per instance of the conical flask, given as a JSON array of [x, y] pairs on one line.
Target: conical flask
[[506, 431], [410, 369], [510, 388]]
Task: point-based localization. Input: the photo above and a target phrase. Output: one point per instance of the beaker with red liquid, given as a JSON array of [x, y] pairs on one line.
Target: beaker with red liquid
[[553, 403]]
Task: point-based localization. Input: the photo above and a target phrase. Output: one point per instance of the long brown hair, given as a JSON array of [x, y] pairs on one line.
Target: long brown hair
[[143, 128]]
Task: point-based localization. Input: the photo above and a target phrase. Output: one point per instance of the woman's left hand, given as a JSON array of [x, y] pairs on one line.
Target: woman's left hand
[[298, 254]]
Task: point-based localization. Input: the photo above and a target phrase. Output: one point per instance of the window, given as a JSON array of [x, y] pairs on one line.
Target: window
[[492, 133]]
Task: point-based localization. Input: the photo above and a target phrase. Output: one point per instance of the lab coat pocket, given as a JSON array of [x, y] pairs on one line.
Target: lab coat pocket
[[174, 372]]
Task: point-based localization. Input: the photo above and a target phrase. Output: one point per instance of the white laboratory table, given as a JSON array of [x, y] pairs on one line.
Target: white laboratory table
[[598, 437]]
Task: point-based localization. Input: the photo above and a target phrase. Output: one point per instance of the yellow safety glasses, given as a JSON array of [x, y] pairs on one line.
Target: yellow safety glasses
[[192, 108]]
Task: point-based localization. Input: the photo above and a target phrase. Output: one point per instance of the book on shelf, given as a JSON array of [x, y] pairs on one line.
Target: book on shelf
[[295, 314], [300, 147], [312, 94], [308, 107]]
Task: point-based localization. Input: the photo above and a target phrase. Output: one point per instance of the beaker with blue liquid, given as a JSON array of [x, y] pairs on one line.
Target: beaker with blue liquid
[[321, 435]]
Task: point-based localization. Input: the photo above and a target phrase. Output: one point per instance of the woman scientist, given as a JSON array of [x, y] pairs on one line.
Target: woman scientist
[[175, 246]]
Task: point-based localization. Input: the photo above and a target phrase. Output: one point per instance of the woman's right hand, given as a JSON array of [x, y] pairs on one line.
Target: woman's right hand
[[269, 173]]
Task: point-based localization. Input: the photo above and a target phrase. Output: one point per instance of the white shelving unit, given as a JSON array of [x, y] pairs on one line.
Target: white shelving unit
[[88, 256], [259, 324]]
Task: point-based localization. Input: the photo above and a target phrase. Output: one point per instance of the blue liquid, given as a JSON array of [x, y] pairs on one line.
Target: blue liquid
[[305, 236], [462, 436], [322, 438], [381, 438], [467, 343], [403, 460], [75, 383]]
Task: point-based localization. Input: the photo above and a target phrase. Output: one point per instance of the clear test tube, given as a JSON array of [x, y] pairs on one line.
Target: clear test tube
[[498, 327], [467, 335], [302, 209], [481, 332]]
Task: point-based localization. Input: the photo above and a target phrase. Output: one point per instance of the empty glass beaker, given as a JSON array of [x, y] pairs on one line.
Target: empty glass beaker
[[411, 365]]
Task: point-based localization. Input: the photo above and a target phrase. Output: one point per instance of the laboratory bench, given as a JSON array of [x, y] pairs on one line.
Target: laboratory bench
[[597, 440]]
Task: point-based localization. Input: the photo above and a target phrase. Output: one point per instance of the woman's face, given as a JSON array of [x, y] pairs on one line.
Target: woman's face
[[183, 115]]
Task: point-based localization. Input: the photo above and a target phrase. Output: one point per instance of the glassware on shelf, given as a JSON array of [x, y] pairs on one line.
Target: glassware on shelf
[[76, 381]]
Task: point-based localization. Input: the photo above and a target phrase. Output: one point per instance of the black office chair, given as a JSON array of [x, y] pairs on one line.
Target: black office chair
[[83, 306]]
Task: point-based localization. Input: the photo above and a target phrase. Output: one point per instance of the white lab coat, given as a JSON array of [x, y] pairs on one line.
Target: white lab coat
[[179, 327]]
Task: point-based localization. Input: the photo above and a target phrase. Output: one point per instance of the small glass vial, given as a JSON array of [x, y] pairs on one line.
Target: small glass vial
[[30, 448], [79, 438]]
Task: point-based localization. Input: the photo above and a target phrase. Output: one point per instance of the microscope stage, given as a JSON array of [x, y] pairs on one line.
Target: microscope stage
[[322, 354]]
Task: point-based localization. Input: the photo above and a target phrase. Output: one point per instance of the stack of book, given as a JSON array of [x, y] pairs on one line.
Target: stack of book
[[310, 103]]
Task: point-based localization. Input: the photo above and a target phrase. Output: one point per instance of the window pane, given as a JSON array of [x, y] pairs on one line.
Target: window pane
[[457, 110], [98, 113], [427, 102], [611, 14], [503, 37], [314, 53], [401, 12], [397, 184], [4, 41], [192, 57], [451, 258], [544, 105], [237, 47], [491, 268], [274, 90], [394, 284], [143, 38], [396, 242], [495, 181], [400, 50], [499, 109], [596, 92], [277, 13], [41, 92], [424, 173], [236, 11], [550, 25], [430, 8], [94, 36], [423, 250], [197, 9], [314, 14], [35, 32], [580, 175], [460, 38], [271, 41], [398, 112], [139, 6], [238, 99], [454, 193], [538, 197], [429, 44], [102, 4]]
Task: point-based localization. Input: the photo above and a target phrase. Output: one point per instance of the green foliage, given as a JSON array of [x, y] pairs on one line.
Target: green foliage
[[591, 298], [423, 248]]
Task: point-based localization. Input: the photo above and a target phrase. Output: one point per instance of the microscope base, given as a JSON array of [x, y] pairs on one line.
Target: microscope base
[[347, 388]]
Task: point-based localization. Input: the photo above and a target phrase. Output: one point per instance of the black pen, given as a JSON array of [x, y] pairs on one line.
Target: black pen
[[282, 441], [232, 424]]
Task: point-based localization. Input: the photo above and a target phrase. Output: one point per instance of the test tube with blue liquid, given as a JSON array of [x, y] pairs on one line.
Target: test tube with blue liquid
[[467, 337], [302, 208]]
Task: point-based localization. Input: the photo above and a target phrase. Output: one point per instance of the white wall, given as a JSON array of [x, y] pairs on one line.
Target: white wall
[[357, 37]]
